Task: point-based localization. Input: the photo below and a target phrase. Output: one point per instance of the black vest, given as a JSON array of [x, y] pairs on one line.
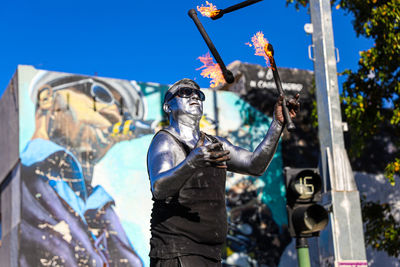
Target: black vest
[[194, 220]]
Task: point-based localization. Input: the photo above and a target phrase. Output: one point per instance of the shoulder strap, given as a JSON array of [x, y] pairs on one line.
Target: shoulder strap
[[185, 147]]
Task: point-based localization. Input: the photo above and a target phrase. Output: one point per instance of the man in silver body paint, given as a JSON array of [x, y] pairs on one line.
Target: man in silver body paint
[[187, 171]]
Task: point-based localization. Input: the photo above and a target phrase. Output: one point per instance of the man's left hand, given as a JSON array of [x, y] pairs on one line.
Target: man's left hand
[[293, 105]]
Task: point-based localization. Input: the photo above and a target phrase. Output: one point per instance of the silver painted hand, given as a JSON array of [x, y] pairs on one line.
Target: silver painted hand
[[293, 105], [205, 156]]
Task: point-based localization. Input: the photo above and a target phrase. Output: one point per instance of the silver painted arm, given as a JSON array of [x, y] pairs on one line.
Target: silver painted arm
[[254, 163], [166, 174]]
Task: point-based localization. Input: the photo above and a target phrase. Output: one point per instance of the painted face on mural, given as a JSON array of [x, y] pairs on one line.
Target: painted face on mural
[[80, 119]]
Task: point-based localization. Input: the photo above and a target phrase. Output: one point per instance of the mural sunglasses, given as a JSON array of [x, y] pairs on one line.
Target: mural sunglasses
[[186, 92], [96, 90]]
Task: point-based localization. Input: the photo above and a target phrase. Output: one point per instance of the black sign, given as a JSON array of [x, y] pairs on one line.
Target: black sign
[[256, 84]]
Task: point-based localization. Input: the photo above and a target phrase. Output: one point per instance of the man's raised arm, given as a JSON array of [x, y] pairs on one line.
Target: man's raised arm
[[254, 163]]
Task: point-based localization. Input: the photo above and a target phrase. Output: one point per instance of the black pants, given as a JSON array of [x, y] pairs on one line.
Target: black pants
[[185, 261]]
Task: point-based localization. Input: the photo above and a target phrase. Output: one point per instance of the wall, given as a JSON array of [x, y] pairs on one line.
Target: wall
[[10, 206], [86, 197], [9, 129]]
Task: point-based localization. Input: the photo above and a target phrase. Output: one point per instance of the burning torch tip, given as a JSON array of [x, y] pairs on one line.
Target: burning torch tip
[[218, 15], [269, 47]]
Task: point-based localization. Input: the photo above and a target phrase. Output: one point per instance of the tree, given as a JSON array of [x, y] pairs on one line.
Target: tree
[[371, 94], [371, 98]]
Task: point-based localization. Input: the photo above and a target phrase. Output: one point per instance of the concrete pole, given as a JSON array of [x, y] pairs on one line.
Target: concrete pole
[[346, 228]]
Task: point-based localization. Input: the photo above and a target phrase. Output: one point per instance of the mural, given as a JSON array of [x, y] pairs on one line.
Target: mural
[[86, 194], [67, 219]]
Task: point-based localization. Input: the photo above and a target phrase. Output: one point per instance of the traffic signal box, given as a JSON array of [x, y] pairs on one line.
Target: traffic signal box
[[303, 191]]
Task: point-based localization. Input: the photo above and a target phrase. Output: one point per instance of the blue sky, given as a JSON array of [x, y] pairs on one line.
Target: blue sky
[[154, 41]]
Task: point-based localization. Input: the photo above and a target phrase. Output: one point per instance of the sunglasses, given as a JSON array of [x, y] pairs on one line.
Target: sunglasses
[[95, 90], [186, 92]]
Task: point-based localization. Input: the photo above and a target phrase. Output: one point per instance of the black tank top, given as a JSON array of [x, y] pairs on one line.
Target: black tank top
[[194, 220]]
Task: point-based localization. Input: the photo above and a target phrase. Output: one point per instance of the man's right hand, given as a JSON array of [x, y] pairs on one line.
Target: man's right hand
[[210, 155]]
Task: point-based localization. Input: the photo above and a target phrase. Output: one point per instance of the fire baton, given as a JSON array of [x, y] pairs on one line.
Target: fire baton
[[290, 125], [221, 12], [227, 74]]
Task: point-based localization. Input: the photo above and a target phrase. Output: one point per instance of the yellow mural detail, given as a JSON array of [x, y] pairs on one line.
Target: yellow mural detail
[[115, 130], [126, 128]]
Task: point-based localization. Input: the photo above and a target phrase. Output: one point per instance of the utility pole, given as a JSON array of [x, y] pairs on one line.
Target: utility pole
[[343, 240]]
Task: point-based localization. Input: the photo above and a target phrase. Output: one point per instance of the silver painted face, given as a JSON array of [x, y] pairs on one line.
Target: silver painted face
[[191, 106]]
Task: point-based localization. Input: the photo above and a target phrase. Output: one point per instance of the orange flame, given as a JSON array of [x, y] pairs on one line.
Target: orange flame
[[211, 70], [261, 46], [270, 56], [208, 11]]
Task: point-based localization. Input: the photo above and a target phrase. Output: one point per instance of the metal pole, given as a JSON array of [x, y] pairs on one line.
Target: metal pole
[[346, 232], [303, 254]]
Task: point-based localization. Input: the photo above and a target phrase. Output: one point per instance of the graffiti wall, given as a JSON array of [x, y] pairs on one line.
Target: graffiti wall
[[86, 197]]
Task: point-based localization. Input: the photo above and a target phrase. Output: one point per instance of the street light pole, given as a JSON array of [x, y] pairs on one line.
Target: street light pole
[[346, 231], [303, 254]]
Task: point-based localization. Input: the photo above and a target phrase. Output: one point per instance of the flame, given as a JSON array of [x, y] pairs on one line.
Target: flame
[[211, 70], [261, 46], [270, 56], [208, 11]]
